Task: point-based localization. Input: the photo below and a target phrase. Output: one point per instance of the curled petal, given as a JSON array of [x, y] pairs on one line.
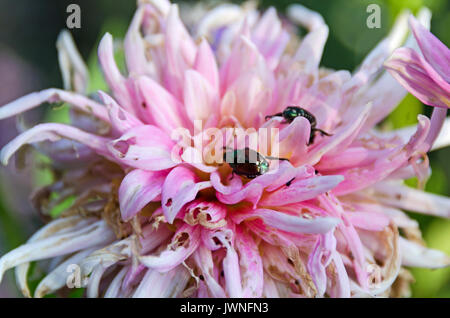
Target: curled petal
[[289, 223], [121, 120], [74, 71], [138, 188], [116, 81], [250, 263], [183, 244], [301, 190], [434, 51], [54, 132], [180, 187], [163, 285], [407, 198], [61, 244], [416, 255], [53, 95], [145, 147], [419, 78]]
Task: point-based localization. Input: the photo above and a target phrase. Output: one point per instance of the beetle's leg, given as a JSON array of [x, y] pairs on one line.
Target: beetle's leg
[[290, 182], [275, 158], [275, 115], [322, 133], [232, 176]]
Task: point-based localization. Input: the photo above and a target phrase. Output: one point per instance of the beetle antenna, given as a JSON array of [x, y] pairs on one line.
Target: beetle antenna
[[322, 133], [275, 115], [275, 158]]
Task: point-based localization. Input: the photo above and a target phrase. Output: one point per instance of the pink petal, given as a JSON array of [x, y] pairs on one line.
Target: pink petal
[[138, 188], [121, 120], [183, 244], [161, 106], [144, 147], [116, 81], [301, 190], [203, 259], [180, 187], [251, 264], [434, 51], [54, 132], [200, 98], [205, 64], [180, 53], [288, 223], [234, 186], [419, 78], [416, 255], [53, 95]]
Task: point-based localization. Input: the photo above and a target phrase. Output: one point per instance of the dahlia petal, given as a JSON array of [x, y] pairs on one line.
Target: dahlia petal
[[311, 48], [305, 17], [203, 259], [115, 286], [135, 47], [219, 16], [138, 188], [59, 244], [183, 244], [234, 186], [144, 147], [244, 57], [343, 137], [354, 244], [251, 192], [116, 81], [53, 95], [437, 123], [434, 51], [416, 255], [57, 226], [407, 198], [270, 38], [363, 177], [180, 52], [193, 157], [73, 69], [250, 263], [289, 223], [206, 65], [341, 288], [163, 285], [57, 278], [121, 120], [200, 98], [301, 190], [319, 259], [349, 158], [294, 139], [180, 187], [371, 221], [208, 214], [418, 77], [232, 273], [161, 106], [54, 132]]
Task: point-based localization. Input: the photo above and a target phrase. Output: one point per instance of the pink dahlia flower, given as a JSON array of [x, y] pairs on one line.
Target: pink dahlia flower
[[427, 77], [154, 217]]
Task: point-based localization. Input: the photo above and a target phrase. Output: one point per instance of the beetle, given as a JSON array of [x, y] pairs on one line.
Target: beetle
[[247, 162], [292, 112]]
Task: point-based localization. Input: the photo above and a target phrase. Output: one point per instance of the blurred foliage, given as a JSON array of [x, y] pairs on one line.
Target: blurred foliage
[[349, 42]]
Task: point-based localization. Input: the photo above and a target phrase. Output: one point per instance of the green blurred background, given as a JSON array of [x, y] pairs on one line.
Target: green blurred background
[[28, 62]]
